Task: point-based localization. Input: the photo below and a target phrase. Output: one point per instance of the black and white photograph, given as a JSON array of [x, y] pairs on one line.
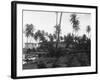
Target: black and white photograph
[[54, 39]]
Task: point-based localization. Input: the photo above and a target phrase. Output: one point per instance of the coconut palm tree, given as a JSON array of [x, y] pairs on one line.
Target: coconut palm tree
[[58, 29], [51, 37], [88, 29], [39, 35], [29, 31], [61, 38], [55, 37], [68, 39], [75, 23], [43, 34]]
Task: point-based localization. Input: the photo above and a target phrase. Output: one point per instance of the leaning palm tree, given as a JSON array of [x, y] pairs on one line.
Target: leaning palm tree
[[88, 29], [75, 23], [58, 29]]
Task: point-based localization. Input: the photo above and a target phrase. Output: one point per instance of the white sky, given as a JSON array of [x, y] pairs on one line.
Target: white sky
[[47, 20]]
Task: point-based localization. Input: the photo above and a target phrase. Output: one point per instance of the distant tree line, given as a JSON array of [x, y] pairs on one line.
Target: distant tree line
[[78, 42], [77, 48]]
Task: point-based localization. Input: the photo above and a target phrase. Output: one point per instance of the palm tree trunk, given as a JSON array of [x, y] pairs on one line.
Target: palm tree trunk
[[59, 30], [56, 18], [60, 19], [27, 42], [88, 35], [56, 25]]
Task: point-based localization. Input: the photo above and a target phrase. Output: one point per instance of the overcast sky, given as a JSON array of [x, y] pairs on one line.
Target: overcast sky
[[47, 20]]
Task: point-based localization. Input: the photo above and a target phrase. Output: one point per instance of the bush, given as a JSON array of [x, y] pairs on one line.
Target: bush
[[41, 64]]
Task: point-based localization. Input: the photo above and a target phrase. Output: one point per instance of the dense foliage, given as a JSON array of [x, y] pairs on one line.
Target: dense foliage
[[55, 50]]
